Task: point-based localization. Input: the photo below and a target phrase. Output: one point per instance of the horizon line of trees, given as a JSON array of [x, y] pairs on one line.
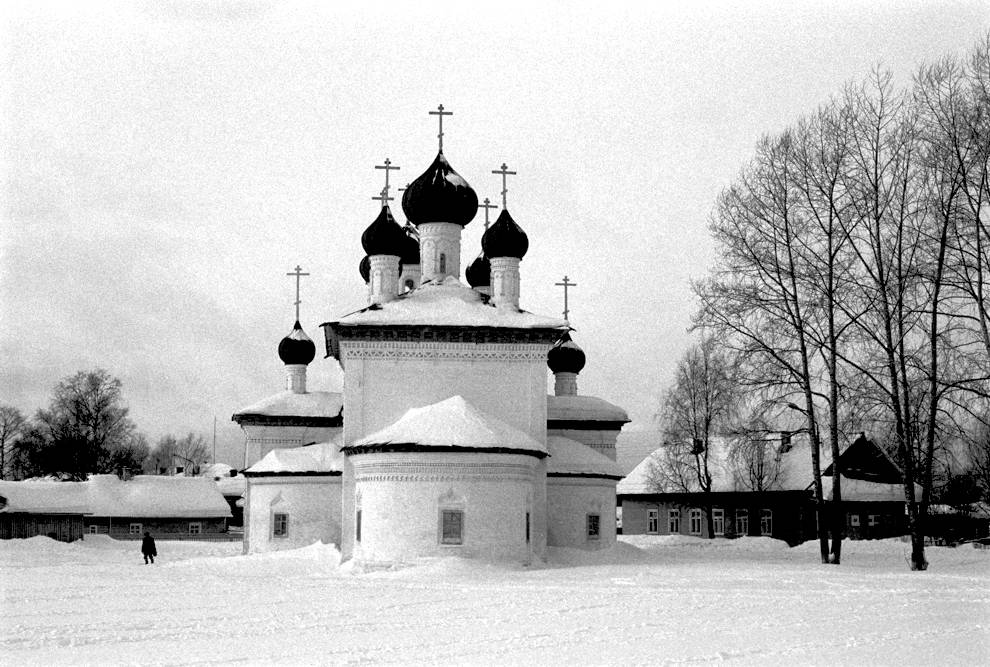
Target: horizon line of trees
[[86, 429], [851, 287]]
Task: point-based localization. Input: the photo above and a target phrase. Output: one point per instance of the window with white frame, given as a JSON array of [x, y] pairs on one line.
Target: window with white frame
[[674, 521], [93, 529], [853, 520], [280, 525], [873, 520], [718, 520], [451, 527], [742, 522], [594, 526], [695, 522], [653, 520], [195, 528], [134, 529], [766, 522]]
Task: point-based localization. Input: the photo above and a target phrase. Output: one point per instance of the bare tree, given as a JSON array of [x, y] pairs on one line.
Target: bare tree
[[700, 404], [189, 452], [12, 425]]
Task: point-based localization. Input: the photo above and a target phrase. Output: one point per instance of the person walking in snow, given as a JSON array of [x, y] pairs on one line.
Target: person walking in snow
[[148, 548]]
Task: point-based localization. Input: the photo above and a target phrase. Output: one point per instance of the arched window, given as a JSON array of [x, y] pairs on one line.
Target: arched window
[[443, 263]]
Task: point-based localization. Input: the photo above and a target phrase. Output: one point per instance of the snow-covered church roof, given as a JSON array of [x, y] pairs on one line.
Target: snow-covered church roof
[[107, 495], [572, 458], [449, 303], [451, 424], [576, 408], [320, 459], [309, 406]]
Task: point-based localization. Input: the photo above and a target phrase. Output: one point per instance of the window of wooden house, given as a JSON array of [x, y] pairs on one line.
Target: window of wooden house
[[766, 522], [280, 525], [852, 520], [134, 529], [873, 520], [93, 529], [594, 524], [195, 528], [653, 520], [742, 522], [451, 527], [695, 522], [718, 520], [674, 521]]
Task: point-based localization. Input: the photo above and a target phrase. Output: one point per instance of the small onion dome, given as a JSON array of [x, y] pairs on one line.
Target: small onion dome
[[410, 247], [384, 236], [365, 268], [440, 195], [297, 347], [479, 272], [505, 238], [565, 356]]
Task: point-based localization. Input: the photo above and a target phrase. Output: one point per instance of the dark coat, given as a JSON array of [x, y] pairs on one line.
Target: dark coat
[[148, 546]]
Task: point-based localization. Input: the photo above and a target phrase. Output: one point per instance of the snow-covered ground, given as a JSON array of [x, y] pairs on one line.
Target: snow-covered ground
[[647, 601]]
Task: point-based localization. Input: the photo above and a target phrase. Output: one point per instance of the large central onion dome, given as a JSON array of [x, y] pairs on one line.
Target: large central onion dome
[[479, 272], [384, 236], [565, 356], [297, 347], [440, 195], [505, 238]]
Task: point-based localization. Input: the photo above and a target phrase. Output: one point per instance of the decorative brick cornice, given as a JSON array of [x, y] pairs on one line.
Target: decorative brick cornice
[[409, 350], [422, 471], [336, 334]]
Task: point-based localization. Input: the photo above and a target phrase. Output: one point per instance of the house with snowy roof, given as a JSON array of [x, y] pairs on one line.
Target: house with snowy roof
[[765, 488], [448, 444], [166, 506]]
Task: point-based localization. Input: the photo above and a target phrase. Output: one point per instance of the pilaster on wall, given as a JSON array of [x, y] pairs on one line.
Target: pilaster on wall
[[439, 250]]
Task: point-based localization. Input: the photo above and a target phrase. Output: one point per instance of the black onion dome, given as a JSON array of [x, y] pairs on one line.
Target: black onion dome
[[297, 347], [384, 236], [365, 269], [410, 248], [505, 238], [440, 195], [565, 356], [479, 272]]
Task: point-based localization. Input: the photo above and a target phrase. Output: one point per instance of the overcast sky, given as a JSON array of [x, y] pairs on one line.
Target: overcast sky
[[166, 163]]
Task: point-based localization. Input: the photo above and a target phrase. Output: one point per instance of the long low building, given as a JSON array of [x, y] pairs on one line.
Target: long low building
[[167, 507]]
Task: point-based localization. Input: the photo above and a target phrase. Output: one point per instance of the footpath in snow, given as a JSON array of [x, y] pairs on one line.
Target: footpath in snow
[[649, 601]]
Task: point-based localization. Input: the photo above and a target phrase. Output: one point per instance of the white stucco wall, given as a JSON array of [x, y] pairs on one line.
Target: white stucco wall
[[313, 504], [569, 502], [401, 495], [601, 440], [262, 439], [384, 379]]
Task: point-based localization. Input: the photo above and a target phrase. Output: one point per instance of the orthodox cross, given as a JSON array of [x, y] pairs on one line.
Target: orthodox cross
[[298, 273], [440, 112], [387, 167], [487, 205], [505, 172], [566, 284], [383, 197]]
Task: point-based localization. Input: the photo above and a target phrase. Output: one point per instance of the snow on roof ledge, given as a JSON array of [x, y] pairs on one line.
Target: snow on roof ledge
[[448, 303], [290, 404], [451, 423], [570, 457], [583, 408], [321, 459]]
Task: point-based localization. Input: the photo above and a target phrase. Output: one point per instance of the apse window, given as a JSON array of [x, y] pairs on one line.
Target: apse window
[[134, 529], [527, 527], [280, 525], [594, 526], [357, 526], [195, 528], [451, 527]]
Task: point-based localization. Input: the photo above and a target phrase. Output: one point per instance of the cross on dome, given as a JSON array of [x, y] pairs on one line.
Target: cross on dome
[[504, 170], [383, 197], [441, 113], [387, 167], [566, 284], [298, 273], [487, 205]]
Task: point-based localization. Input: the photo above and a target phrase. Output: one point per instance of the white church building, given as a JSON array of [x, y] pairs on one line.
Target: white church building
[[443, 441]]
